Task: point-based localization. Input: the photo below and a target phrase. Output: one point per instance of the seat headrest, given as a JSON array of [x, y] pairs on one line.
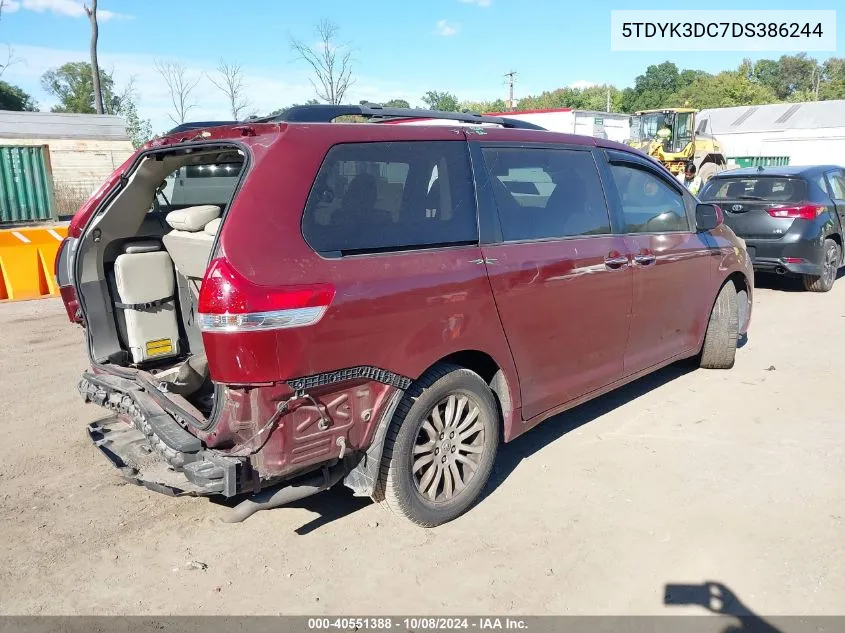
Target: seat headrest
[[212, 227], [193, 218], [147, 246]]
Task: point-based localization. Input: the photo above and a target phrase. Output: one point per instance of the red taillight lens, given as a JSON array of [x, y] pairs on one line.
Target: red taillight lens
[[802, 211], [229, 302]]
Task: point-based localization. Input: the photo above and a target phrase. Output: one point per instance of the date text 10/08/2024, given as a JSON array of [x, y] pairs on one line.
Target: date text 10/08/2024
[[417, 624]]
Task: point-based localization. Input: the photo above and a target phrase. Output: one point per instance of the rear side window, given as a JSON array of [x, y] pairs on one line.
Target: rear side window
[[380, 197], [546, 193], [769, 188], [836, 179], [648, 203]]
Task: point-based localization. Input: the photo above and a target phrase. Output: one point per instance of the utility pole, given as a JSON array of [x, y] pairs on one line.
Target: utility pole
[[608, 101], [510, 77]]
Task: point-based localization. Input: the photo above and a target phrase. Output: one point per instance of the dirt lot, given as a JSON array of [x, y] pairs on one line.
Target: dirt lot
[[736, 477]]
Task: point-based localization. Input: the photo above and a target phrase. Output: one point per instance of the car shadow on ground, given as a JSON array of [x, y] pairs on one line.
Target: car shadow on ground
[[784, 283], [339, 502], [720, 600], [512, 453]]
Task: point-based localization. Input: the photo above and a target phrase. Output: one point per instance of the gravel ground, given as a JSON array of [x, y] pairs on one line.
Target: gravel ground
[[736, 477]]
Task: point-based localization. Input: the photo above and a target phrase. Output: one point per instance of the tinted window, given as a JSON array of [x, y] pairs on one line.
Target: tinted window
[[649, 204], [213, 183], [769, 188], [837, 184], [546, 193], [371, 197]]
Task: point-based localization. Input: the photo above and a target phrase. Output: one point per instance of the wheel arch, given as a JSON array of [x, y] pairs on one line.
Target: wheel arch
[[363, 477], [496, 377], [743, 290]]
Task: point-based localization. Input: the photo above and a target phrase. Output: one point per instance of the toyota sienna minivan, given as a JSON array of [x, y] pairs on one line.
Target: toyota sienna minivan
[[381, 304]]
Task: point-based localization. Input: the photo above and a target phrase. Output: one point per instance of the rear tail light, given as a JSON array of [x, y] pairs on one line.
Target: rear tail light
[[793, 260], [803, 211], [229, 302]]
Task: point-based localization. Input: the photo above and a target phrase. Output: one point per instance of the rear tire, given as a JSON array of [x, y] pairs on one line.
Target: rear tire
[[440, 447], [830, 267], [719, 349]]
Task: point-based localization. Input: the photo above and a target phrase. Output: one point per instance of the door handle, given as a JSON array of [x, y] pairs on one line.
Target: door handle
[[645, 260], [615, 263]]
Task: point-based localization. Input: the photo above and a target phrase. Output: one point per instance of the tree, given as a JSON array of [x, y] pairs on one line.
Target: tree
[[590, 98], [790, 78], [727, 89], [833, 79], [72, 84], [654, 88], [483, 107], [14, 98], [139, 130], [397, 103], [230, 81], [331, 64], [180, 85], [444, 101], [95, 66]]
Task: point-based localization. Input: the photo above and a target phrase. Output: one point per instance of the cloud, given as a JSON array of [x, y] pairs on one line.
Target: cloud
[[478, 3], [445, 29], [582, 83], [66, 8]]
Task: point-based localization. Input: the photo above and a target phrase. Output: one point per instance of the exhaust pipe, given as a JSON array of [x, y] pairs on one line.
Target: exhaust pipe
[[780, 270], [276, 497]]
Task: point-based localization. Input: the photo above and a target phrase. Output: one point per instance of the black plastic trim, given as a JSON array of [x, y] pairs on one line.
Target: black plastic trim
[[365, 372]]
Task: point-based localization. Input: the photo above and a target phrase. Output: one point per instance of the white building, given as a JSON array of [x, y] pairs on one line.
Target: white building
[[804, 133], [82, 149]]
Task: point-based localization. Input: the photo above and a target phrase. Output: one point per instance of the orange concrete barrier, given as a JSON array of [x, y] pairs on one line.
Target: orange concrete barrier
[[27, 257]]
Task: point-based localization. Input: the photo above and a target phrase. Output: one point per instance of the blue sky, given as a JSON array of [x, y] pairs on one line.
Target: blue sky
[[402, 49]]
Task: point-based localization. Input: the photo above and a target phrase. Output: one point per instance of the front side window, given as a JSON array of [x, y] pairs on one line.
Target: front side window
[[546, 193], [375, 197], [648, 203], [683, 135]]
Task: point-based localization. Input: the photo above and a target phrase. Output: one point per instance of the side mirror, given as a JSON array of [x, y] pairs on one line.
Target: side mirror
[[708, 217]]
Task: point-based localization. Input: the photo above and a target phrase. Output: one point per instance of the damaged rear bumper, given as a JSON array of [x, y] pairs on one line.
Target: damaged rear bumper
[[150, 448]]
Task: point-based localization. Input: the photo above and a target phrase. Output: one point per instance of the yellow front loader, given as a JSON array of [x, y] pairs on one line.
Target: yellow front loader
[[669, 135]]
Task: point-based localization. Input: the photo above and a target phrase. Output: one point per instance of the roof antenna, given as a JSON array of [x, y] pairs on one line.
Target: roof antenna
[[759, 168]]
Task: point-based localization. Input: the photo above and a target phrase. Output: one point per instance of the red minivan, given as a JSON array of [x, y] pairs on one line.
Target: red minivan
[[277, 305]]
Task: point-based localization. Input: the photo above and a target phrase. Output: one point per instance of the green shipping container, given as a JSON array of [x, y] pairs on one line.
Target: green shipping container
[[758, 161], [26, 188]]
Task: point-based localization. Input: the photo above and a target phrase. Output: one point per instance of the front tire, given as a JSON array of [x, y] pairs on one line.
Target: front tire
[[830, 268], [440, 448], [719, 349]]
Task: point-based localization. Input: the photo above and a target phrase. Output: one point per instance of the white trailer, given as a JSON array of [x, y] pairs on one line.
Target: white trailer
[[609, 125]]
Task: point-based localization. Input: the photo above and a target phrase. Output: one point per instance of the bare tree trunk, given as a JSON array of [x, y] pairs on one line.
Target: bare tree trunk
[[231, 83], [331, 63], [95, 66], [180, 85]]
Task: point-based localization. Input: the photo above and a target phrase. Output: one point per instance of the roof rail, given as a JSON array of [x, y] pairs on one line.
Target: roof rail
[[326, 113], [196, 125]]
